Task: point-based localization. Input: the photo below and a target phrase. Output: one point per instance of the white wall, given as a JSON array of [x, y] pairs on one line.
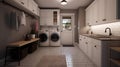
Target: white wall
[[100, 29]]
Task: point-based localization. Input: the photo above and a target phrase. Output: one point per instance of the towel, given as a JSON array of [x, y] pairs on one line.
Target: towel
[[14, 20], [23, 19], [36, 26]]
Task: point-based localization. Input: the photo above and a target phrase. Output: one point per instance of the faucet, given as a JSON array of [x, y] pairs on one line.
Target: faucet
[[109, 31]]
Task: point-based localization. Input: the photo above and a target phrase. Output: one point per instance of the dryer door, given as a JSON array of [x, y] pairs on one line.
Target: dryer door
[[43, 37], [54, 37]]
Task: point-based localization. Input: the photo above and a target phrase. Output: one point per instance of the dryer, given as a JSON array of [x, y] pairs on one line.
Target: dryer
[[55, 38], [44, 38]]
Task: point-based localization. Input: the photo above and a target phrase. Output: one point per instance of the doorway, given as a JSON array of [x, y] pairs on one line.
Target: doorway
[[67, 28]]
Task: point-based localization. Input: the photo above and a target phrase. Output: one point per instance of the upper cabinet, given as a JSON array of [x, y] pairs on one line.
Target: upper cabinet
[[33, 7], [49, 17], [27, 5], [92, 14], [22, 2], [101, 12]]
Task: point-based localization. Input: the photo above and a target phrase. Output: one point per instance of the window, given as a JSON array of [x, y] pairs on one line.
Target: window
[[66, 23]]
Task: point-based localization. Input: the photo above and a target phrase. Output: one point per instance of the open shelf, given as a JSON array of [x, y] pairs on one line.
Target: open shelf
[[115, 61], [115, 49]]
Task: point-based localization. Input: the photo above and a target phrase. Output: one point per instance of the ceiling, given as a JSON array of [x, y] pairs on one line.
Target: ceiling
[[72, 4]]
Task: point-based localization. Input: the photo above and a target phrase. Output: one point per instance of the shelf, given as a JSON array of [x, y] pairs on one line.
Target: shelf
[[22, 43], [115, 61], [115, 49]]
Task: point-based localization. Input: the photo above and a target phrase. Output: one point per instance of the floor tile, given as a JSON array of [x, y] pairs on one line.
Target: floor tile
[[74, 57]]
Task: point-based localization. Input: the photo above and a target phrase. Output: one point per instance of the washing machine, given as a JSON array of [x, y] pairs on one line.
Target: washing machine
[[44, 38], [55, 38]]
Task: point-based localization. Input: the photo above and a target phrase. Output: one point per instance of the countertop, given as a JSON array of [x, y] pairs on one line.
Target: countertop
[[103, 37]]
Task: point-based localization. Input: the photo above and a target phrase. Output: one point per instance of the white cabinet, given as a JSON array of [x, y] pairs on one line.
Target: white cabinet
[[23, 2], [85, 45], [101, 12], [92, 48], [107, 11], [92, 14], [96, 52], [111, 10], [33, 7], [28, 6], [88, 15], [49, 17]]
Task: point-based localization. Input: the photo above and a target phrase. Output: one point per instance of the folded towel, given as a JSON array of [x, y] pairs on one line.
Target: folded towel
[[23, 19]]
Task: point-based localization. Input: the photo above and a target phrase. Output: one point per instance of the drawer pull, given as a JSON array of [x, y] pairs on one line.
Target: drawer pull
[[104, 19], [95, 46], [22, 3]]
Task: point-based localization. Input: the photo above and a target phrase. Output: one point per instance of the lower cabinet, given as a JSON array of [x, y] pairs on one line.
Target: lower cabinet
[[92, 48], [32, 47], [98, 51], [14, 53], [24, 51]]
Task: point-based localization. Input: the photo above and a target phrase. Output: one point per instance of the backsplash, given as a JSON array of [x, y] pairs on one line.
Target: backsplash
[[100, 29]]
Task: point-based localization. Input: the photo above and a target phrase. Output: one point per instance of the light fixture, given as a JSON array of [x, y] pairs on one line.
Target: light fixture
[[63, 2]]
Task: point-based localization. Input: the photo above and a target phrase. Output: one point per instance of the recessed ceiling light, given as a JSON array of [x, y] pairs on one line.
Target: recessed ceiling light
[[64, 2]]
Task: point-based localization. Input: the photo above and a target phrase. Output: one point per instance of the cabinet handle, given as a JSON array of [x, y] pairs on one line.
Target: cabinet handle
[[22, 3], [95, 46], [104, 19]]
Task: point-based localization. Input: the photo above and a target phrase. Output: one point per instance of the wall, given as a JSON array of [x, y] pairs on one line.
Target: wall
[[100, 29], [7, 32], [76, 21], [81, 21]]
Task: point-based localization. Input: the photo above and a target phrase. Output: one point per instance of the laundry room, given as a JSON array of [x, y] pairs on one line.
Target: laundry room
[[59, 33]]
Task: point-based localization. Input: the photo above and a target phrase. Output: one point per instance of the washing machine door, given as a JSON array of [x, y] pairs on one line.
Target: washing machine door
[[43, 37], [54, 37]]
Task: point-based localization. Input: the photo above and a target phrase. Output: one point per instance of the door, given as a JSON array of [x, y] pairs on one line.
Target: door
[[67, 30]]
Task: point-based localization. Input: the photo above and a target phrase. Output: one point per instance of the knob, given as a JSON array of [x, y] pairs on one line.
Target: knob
[[22, 3], [104, 19], [86, 42], [95, 46]]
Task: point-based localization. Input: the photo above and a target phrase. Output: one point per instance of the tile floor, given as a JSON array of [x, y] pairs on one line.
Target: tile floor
[[74, 57]]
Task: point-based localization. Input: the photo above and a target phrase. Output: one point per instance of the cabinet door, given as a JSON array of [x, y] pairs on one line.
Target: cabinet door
[[81, 42], [101, 11], [110, 10], [49, 17], [43, 17], [96, 52], [56, 17], [94, 12], [46, 17], [35, 8], [89, 48], [31, 5], [22, 2], [87, 16]]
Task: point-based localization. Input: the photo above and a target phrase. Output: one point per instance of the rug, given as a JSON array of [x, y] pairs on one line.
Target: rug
[[52, 61], [68, 45]]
